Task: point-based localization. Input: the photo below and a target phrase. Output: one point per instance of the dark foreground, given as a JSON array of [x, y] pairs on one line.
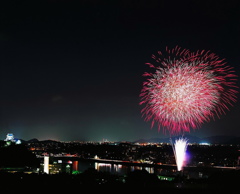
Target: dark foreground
[[137, 181]]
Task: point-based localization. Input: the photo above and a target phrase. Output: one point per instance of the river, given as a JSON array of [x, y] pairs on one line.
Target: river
[[124, 169]]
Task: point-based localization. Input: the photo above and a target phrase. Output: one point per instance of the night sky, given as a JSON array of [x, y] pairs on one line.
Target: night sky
[[72, 70]]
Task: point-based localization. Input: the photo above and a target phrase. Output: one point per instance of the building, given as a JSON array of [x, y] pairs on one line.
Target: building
[[46, 164], [55, 166], [10, 139]]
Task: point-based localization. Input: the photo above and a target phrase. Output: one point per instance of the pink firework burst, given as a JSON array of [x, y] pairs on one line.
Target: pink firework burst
[[187, 89]]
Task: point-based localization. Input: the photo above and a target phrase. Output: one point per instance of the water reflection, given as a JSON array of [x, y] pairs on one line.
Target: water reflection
[[107, 167], [120, 169]]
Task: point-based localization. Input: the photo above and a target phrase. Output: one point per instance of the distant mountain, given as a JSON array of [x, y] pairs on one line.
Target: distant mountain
[[153, 140], [49, 141], [219, 139], [194, 139], [34, 140], [235, 140], [191, 139]]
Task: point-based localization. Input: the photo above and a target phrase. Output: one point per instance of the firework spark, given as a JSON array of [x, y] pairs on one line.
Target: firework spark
[[179, 149], [187, 89]]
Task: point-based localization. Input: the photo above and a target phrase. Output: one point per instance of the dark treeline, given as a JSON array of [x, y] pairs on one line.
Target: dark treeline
[[139, 180], [17, 156]]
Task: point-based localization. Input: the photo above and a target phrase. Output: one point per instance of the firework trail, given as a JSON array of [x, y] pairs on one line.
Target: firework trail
[[187, 89], [179, 149]]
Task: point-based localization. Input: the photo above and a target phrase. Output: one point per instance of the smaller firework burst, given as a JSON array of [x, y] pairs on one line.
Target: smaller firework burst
[[179, 149]]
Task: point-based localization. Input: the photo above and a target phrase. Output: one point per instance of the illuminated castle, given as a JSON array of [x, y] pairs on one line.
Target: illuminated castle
[[10, 138]]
